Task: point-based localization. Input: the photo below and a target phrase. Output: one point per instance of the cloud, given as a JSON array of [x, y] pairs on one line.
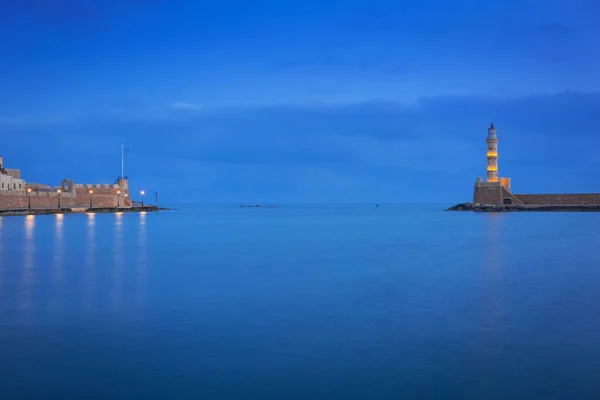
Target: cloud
[[361, 64], [318, 152], [28, 122], [61, 11], [555, 28], [325, 61], [182, 105]]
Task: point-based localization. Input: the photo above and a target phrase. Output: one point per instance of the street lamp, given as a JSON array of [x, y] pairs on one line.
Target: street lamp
[[142, 192], [29, 198], [118, 198], [91, 204], [59, 199]]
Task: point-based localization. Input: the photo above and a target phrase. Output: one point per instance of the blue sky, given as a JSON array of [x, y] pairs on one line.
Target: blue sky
[[302, 101]]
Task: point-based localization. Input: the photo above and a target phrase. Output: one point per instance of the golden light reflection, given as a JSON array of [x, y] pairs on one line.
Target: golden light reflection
[[492, 154], [90, 261], [58, 234], [119, 260], [142, 264], [58, 264], [28, 272], [492, 299], [29, 225]]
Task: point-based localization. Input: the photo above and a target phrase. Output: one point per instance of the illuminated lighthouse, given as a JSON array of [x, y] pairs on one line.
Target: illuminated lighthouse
[[492, 154], [494, 190]]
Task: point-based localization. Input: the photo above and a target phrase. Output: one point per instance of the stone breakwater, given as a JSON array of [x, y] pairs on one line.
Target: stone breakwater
[[507, 208], [6, 213]]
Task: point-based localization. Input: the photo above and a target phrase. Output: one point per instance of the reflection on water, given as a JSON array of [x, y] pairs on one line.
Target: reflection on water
[[492, 291], [142, 262], [493, 253], [118, 255], [90, 261], [58, 264], [1, 256], [59, 250], [303, 293], [28, 272]]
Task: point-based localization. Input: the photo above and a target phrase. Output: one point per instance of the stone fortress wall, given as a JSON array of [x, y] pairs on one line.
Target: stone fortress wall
[[67, 195], [498, 195], [497, 191], [579, 199]]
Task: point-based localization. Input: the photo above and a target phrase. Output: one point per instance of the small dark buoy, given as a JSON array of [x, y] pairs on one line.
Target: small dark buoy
[[377, 205]]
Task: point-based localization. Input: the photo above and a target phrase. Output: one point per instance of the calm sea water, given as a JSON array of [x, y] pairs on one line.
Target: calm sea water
[[301, 303]]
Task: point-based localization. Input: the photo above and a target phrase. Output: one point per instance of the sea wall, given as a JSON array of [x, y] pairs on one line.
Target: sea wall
[[102, 196], [496, 194], [527, 208], [560, 199], [49, 211]]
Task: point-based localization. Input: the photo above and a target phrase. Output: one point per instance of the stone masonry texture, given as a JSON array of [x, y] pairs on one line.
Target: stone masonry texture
[[78, 197], [496, 194]]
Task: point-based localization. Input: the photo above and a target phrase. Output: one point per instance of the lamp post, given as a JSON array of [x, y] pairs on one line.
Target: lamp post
[[142, 192], [91, 203], [118, 198], [29, 198], [59, 199]]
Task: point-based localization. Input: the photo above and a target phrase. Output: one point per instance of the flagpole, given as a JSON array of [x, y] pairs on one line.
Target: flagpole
[[122, 161]]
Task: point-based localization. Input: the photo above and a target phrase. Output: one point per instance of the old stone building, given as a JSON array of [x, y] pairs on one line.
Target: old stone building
[[10, 179], [16, 194], [497, 191]]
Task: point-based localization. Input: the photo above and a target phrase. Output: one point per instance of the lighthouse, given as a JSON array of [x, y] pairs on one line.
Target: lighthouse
[[492, 154], [494, 190]]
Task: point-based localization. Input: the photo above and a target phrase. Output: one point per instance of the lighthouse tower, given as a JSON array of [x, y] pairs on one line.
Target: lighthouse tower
[[492, 154], [494, 190]]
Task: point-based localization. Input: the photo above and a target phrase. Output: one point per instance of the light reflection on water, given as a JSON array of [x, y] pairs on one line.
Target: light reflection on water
[[118, 256], [29, 272], [180, 305], [491, 306], [142, 263], [62, 266], [58, 264], [492, 266], [90, 261], [1, 256]]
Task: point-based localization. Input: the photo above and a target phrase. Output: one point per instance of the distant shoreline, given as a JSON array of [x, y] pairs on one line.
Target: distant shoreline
[[518, 208], [99, 210]]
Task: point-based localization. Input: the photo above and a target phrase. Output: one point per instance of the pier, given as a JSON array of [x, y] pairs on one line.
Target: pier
[[79, 210], [495, 193]]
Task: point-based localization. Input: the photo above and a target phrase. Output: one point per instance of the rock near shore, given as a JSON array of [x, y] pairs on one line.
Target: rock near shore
[[475, 207], [495, 208]]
